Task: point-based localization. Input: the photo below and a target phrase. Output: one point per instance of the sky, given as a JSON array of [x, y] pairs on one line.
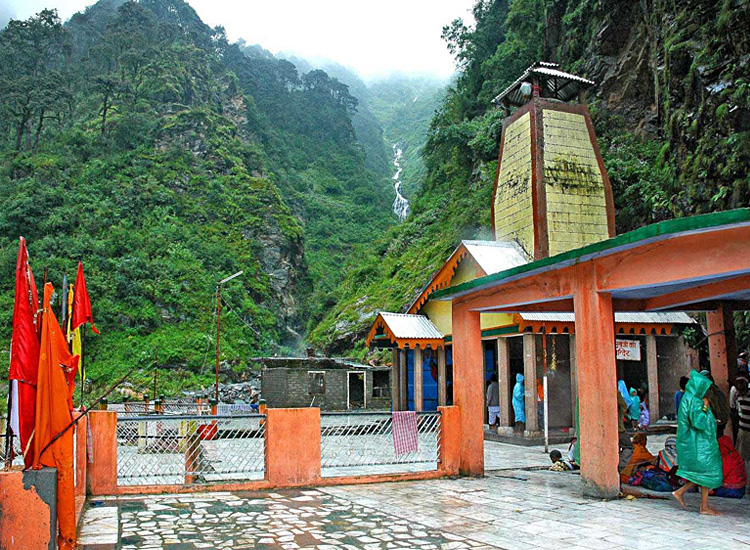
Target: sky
[[374, 38]]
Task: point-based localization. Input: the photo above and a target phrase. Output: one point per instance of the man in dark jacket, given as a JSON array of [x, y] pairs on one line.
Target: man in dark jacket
[[719, 404]]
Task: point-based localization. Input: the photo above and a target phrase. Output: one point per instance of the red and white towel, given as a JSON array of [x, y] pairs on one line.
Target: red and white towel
[[405, 439]]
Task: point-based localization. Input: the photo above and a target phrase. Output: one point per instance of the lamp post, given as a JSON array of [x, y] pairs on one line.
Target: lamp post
[[218, 328]]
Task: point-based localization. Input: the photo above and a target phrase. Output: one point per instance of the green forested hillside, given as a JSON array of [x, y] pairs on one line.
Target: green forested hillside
[[136, 138], [671, 109]]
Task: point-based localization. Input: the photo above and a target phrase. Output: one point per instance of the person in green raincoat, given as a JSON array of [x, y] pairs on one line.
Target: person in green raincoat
[[634, 409], [697, 448]]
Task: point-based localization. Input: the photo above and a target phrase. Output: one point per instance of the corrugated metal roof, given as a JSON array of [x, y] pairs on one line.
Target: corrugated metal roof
[[661, 317], [494, 257], [555, 84], [404, 325]]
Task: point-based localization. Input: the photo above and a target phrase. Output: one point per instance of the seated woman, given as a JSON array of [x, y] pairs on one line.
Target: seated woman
[[641, 457], [735, 476]]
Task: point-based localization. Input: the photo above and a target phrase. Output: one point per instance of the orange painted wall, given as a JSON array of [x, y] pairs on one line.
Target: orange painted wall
[[80, 443], [25, 518], [102, 472], [293, 446]]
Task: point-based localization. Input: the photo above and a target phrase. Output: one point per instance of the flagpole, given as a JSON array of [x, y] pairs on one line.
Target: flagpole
[[8, 432], [82, 368]]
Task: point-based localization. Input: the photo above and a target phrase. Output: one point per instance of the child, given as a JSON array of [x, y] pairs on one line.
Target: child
[[560, 465], [645, 420]]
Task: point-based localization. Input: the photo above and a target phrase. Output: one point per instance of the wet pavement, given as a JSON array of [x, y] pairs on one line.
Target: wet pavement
[[512, 509]]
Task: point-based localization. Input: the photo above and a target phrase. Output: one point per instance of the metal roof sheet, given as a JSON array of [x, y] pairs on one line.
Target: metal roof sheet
[[493, 256], [660, 317], [556, 84], [404, 325]]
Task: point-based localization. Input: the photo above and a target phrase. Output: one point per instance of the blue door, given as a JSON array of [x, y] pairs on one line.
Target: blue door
[[410, 379], [429, 380]]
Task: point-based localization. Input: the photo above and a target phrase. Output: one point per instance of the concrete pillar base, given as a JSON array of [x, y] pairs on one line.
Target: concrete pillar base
[[594, 490]]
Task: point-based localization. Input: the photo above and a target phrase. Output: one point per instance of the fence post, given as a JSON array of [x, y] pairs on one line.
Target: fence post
[[191, 443], [102, 472], [292, 446], [450, 440]]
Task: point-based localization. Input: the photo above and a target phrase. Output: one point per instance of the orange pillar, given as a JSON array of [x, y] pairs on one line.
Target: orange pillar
[[292, 446], [597, 386], [102, 472], [468, 387], [721, 345], [450, 440]]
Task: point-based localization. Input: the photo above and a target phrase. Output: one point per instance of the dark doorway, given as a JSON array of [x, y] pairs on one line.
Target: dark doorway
[[356, 390]]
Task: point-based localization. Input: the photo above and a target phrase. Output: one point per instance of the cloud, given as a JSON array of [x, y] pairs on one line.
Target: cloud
[[6, 13], [375, 38]]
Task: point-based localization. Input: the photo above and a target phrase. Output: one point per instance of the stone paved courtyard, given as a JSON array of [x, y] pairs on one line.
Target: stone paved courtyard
[[509, 509]]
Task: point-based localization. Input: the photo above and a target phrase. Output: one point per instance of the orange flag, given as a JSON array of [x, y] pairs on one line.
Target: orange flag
[[54, 389]]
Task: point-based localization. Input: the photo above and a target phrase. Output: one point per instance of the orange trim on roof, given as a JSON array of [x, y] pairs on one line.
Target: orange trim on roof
[[443, 277], [380, 332]]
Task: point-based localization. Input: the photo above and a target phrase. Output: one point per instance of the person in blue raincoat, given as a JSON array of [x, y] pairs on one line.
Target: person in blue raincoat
[[519, 403], [623, 389], [697, 448]]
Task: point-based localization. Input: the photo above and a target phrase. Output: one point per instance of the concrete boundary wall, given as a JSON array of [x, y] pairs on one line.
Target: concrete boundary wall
[[28, 500], [292, 455]]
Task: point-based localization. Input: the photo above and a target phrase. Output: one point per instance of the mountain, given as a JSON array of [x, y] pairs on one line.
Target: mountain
[[138, 139], [671, 109]]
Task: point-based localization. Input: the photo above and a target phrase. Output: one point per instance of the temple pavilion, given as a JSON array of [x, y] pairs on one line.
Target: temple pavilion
[[552, 195]]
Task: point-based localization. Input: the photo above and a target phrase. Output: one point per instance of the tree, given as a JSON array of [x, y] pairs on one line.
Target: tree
[[31, 56]]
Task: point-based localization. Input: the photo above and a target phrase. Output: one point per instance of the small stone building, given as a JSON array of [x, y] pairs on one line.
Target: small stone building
[[331, 384]]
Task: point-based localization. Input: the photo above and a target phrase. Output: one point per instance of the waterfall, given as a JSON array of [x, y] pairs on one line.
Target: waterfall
[[401, 204]]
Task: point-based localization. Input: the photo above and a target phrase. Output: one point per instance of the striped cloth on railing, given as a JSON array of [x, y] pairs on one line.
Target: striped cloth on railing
[[405, 433]]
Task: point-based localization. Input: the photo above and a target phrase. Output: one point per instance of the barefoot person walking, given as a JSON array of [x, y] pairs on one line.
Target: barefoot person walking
[[697, 449]]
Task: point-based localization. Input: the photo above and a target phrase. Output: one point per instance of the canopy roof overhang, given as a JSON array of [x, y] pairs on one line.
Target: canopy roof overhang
[[688, 264], [692, 264], [402, 330]]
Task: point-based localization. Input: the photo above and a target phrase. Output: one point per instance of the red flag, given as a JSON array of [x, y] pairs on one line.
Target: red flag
[[24, 352], [81, 303], [53, 416]]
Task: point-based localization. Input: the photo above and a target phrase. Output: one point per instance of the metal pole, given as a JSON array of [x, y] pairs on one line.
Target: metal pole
[[218, 333], [8, 432], [544, 389], [82, 367]]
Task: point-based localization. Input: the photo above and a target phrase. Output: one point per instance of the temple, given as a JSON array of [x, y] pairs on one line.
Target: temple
[[552, 195]]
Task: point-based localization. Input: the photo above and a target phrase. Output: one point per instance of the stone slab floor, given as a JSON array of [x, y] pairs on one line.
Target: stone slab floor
[[509, 509]]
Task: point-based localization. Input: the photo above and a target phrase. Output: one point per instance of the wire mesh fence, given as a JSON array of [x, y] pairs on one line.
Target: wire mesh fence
[[140, 408], [362, 443], [190, 449]]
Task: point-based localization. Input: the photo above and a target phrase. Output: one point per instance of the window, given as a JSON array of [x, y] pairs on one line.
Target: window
[[316, 382], [381, 383]]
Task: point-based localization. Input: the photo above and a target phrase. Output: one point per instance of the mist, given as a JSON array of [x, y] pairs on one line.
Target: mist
[[375, 39], [6, 13]]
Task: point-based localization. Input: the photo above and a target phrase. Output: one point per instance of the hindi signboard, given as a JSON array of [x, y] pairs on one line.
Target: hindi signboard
[[628, 350]]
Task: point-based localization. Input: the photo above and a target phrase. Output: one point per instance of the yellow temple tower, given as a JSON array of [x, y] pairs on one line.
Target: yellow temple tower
[[552, 193]]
